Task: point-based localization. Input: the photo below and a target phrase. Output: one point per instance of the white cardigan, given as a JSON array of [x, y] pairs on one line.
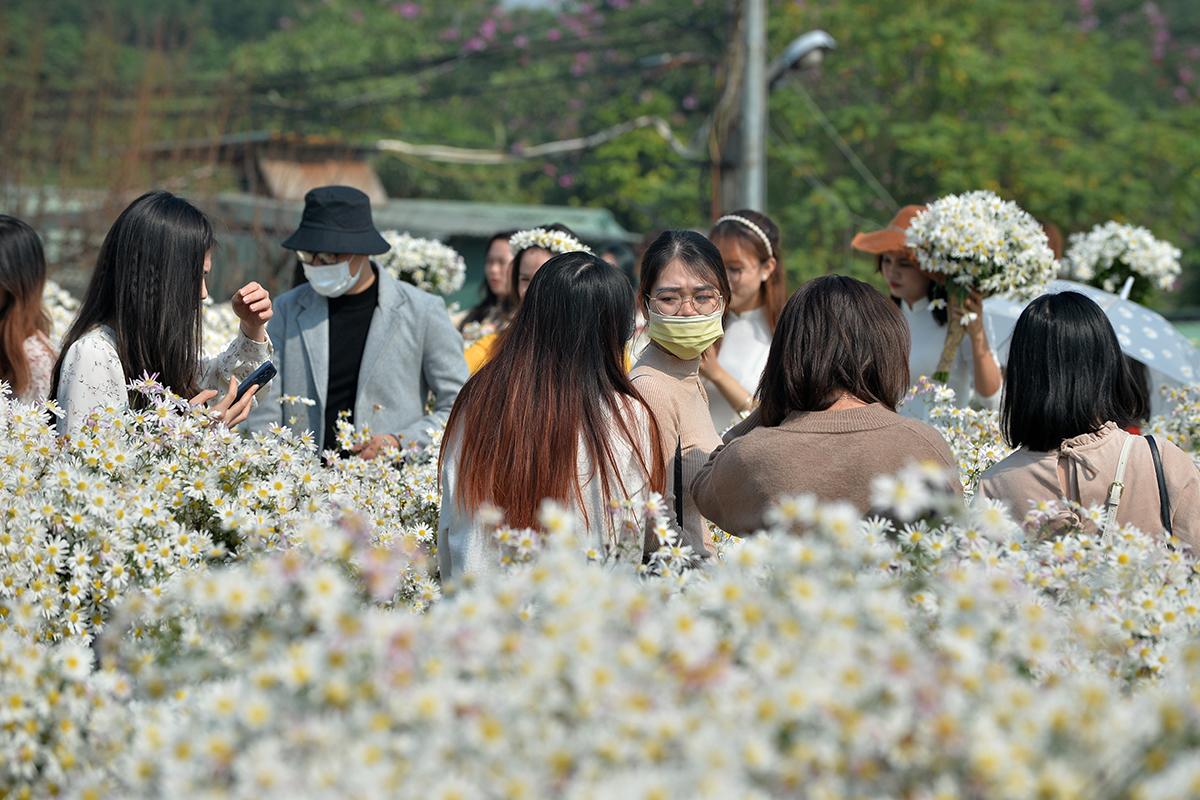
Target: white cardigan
[[92, 376], [464, 545]]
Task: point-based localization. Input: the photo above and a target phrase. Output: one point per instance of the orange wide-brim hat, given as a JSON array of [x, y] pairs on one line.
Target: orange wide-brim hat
[[890, 238]]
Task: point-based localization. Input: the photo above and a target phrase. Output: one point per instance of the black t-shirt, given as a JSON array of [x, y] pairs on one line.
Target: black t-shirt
[[349, 320]]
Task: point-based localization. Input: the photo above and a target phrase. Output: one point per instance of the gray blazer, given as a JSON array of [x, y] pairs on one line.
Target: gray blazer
[[412, 348]]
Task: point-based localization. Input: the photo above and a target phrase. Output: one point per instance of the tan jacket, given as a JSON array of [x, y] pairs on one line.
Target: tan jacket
[[1083, 468], [834, 455]]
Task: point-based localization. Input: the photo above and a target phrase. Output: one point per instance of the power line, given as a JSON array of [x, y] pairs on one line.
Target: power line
[[846, 149], [460, 155]]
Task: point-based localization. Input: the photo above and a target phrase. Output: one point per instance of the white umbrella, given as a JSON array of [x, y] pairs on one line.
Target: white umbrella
[[1143, 334]]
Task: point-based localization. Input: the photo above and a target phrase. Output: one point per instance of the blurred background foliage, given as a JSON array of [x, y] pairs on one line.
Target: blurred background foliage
[[1080, 110]]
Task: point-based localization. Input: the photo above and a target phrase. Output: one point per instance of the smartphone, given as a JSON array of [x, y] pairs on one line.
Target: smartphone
[[259, 377]]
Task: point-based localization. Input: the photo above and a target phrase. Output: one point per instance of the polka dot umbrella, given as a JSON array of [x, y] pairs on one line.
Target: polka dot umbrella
[[1144, 334]]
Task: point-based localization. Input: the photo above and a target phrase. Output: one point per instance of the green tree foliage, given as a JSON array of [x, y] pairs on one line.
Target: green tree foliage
[[1080, 110], [1070, 115]]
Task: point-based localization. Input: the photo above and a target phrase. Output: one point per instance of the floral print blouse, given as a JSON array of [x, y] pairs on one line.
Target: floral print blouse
[[92, 376], [40, 355]]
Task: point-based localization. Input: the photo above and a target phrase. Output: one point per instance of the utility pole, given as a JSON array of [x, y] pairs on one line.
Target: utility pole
[[740, 118], [753, 193]]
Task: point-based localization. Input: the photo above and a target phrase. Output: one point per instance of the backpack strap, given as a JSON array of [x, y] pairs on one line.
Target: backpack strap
[[679, 487], [1164, 499], [1117, 487]]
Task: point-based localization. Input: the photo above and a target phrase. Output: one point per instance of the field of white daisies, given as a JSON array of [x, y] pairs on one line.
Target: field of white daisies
[[188, 611]]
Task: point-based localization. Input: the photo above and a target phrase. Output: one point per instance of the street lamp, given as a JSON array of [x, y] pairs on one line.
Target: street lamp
[[804, 52]]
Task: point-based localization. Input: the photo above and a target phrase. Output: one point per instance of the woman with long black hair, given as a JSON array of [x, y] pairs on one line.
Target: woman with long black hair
[[26, 354], [492, 312], [553, 415], [1067, 397], [142, 315]]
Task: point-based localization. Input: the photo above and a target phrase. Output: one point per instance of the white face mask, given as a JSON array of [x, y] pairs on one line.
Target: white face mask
[[331, 280]]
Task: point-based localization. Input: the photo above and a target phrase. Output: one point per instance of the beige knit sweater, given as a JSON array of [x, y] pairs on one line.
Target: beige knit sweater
[[672, 389], [834, 455], [1083, 468]]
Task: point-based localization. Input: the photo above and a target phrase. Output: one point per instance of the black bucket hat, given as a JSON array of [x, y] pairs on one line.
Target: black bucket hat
[[337, 219]]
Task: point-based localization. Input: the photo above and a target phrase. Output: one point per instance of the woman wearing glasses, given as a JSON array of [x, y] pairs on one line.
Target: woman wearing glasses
[[684, 291]]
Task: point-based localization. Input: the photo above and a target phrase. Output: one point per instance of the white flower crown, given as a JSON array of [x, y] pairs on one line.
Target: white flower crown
[[554, 241]]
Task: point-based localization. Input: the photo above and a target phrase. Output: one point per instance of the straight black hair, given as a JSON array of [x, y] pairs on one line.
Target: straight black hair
[[695, 250], [22, 280], [146, 286], [489, 302], [1066, 374], [836, 335], [626, 260]]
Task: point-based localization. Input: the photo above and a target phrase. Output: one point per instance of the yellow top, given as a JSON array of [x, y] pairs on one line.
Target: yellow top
[[480, 353]]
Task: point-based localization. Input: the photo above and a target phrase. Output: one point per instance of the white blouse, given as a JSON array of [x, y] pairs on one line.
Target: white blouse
[[465, 545], [92, 376], [744, 350], [928, 338]]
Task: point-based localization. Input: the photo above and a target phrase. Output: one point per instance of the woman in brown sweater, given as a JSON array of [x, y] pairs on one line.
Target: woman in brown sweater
[[684, 291], [1069, 393], [826, 424]]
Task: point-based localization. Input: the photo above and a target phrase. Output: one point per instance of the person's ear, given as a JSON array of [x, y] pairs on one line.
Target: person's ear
[[769, 268]]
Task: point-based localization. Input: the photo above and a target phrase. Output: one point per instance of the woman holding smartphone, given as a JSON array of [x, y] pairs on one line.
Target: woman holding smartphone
[[142, 315]]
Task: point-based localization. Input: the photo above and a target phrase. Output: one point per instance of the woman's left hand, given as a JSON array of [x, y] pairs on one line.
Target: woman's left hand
[[710, 366], [972, 305], [252, 304]]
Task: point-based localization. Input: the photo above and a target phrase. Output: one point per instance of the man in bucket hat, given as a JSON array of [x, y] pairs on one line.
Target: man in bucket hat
[[353, 338]]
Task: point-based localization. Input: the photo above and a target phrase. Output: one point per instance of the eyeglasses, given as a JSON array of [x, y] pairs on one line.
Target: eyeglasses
[[671, 303], [319, 259]]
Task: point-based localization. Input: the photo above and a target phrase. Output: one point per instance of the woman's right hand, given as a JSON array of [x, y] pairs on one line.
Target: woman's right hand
[[227, 411]]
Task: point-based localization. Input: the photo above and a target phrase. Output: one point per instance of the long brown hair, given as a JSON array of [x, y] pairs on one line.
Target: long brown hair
[[22, 280], [557, 379], [836, 335], [773, 291]]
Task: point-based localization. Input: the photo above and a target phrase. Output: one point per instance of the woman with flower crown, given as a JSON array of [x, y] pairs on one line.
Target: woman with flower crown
[[552, 416], [684, 292], [749, 245], [975, 373], [531, 249]]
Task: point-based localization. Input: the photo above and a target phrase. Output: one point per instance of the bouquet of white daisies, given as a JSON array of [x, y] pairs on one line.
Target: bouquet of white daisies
[[425, 263], [977, 242], [1111, 254]]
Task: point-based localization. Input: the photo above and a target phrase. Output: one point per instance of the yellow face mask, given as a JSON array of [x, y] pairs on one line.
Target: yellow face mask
[[685, 337]]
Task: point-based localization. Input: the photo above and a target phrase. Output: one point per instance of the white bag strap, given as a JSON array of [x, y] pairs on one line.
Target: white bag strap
[[1117, 487]]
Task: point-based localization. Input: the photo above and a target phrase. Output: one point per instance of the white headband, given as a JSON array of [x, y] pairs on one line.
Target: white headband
[[759, 232]]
